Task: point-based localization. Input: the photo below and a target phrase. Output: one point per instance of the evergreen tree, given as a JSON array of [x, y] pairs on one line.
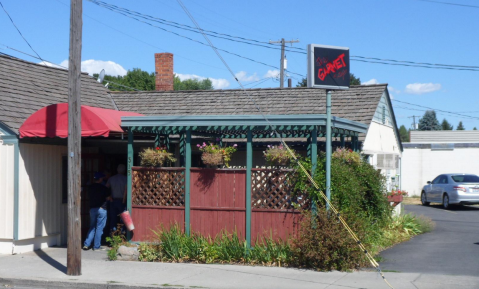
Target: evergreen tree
[[474, 128], [446, 125], [460, 126], [403, 134], [429, 121]]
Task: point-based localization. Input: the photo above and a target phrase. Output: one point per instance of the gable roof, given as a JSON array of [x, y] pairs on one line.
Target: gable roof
[[359, 103], [26, 87]]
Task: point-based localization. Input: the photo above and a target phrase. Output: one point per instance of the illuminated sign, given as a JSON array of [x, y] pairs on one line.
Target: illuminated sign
[[328, 67]]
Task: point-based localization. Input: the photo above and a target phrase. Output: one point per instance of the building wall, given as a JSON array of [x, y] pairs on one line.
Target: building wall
[[444, 136], [41, 212], [6, 192], [420, 165]]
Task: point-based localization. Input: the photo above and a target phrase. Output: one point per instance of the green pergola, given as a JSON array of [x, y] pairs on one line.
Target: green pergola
[[249, 127]]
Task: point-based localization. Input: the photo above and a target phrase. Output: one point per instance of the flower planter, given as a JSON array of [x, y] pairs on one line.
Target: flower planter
[[395, 199], [212, 159]]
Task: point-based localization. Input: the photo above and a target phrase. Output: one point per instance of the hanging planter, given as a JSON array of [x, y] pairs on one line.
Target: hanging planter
[[156, 157], [278, 155], [214, 155], [395, 199]]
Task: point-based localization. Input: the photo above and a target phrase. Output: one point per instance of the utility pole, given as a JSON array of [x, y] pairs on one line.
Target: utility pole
[[282, 64], [74, 141], [414, 121]]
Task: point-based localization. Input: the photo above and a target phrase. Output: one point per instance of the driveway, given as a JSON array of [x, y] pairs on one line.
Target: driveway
[[452, 248]]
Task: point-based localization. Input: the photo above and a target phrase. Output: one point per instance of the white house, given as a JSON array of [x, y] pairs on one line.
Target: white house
[[431, 153]]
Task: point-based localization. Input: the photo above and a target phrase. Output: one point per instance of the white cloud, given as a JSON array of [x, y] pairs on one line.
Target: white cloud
[[272, 73], [393, 90], [218, 83], [421, 88], [242, 76], [95, 66], [372, 81]]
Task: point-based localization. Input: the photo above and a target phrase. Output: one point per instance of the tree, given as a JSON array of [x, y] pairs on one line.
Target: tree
[[403, 134], [353, 80], [460, 126], [446, 125], [192, 84], [136, 78], [429, 121], [474, 128]]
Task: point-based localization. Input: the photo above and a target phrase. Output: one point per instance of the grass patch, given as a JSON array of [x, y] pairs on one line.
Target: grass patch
[[414, 200]]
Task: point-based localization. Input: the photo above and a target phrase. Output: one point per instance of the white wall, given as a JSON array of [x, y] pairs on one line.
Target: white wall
[[41, 211], [422, 165], [6, 191], [381, 139]]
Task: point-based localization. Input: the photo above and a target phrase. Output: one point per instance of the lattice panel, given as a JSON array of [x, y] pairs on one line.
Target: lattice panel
[[158, 187], [272, 189]]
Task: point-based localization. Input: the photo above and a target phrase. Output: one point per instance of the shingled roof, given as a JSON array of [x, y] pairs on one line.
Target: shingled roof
[[25, 87], [359, 103]]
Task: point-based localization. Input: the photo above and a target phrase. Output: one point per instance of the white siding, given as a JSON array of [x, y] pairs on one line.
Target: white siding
[[445, 136], [380, 139], [40, 190], [6, 191], [422, 165]]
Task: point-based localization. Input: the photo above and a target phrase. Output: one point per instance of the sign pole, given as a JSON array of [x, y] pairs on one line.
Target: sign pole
[[74, 141], [328, 146]]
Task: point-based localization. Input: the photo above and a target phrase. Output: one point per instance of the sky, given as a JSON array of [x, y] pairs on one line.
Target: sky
[[412, 30]]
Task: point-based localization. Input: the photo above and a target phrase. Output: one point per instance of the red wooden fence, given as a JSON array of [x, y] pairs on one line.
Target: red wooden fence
[[217, 201]]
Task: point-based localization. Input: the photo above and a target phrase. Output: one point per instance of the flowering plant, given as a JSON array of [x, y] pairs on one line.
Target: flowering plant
[[398, 193], [347, 155], [214, 154], [277, 155], [156, 157]]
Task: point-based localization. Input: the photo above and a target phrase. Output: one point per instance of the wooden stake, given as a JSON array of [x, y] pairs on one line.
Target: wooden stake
[[74, 141]]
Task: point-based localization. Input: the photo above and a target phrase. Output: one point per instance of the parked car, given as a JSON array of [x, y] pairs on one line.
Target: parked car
[[450, 189]]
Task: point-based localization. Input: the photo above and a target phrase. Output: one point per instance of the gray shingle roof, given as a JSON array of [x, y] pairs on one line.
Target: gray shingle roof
[[25, 87], [359, 103]]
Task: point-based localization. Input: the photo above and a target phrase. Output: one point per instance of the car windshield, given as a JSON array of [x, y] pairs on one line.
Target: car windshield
[[466, 179]]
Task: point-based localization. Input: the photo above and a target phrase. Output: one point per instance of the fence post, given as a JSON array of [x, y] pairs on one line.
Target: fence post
[[187, 180], [129, 176], [249, 165]]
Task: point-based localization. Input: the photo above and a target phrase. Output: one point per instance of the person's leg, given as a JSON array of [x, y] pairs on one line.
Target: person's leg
[[100, 224], [91, 231]]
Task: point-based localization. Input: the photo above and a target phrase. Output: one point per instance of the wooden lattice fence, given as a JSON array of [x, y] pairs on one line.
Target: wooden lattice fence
[[158, 187]]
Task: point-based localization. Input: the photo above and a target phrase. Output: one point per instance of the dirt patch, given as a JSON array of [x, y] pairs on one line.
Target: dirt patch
[[411, 201]]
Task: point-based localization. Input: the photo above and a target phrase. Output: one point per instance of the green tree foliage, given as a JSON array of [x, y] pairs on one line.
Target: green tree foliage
[[403, 134], [353, 80], [192, 84], [460, 126], [474, 128], [136, 78], [429, 121], [446, 125]]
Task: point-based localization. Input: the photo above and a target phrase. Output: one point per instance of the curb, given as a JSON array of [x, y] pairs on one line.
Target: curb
[[57, 284]]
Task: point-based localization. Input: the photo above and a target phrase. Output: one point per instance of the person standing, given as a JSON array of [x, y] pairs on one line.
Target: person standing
[[117, 184], [98, 195]]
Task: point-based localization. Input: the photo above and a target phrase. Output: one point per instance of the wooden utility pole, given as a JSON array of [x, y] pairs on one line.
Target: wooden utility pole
[[282, 64], [74, 141]]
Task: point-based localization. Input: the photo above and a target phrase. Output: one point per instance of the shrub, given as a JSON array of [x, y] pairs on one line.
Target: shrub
[[324, 244], [156, 157]]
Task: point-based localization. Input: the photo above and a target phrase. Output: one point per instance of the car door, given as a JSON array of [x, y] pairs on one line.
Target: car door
[[440, 187], [433, 195]]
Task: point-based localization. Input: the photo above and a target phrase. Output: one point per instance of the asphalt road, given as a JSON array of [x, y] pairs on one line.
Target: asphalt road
[[452, 248]]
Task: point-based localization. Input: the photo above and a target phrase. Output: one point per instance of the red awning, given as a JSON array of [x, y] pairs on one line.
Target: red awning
[[52, 121]]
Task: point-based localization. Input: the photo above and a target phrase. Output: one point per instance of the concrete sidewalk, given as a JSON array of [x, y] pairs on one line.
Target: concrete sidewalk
[[46, 269]]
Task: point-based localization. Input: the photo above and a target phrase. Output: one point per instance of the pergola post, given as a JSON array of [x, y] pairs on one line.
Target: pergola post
[[249, 166], [129, 175], [328, 146], [313, 152], [343, 143], [187, 179]]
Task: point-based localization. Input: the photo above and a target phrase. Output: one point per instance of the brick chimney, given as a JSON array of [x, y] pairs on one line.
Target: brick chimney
[[164, 71]]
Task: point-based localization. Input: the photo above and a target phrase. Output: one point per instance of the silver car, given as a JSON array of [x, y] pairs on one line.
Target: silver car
[[450, 189]]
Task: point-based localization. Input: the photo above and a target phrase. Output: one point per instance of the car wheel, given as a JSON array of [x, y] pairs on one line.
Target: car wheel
[[445, 202], [424, 201]]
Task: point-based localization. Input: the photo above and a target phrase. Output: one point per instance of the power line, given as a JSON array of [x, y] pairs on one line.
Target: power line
[[202, 43], [445, 111], [33, 56], [19, 32], [449, 3]]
